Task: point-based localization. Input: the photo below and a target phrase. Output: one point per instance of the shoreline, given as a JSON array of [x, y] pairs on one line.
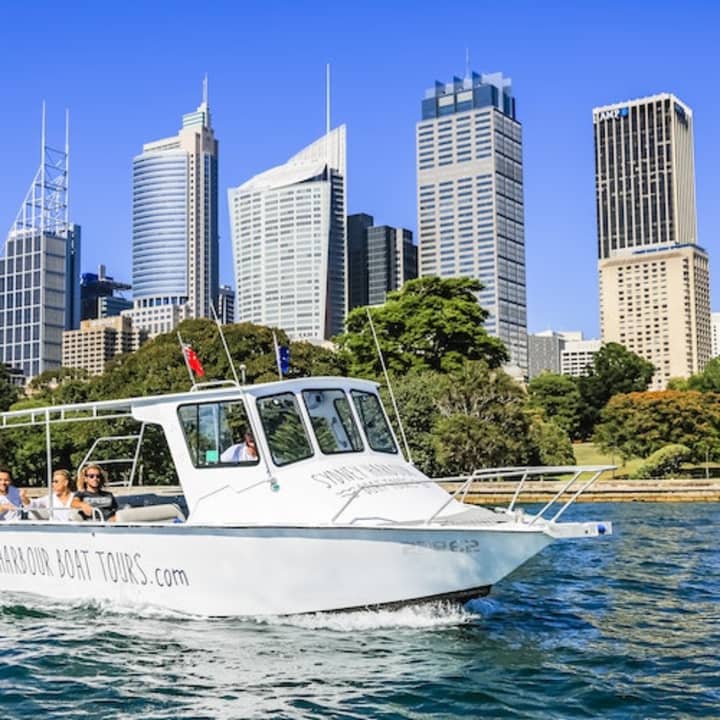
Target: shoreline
[[497, 492]]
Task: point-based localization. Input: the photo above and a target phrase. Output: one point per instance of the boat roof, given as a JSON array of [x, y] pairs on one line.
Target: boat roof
[[111, 409]]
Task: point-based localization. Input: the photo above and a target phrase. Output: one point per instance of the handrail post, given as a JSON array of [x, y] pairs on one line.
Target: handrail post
[[553, 500], [518, 489], [577, 494]]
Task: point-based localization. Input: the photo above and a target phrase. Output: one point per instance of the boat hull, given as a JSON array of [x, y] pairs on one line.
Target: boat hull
[[250, 571]]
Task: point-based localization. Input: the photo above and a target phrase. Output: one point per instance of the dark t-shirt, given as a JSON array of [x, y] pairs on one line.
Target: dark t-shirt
[[103, 500]]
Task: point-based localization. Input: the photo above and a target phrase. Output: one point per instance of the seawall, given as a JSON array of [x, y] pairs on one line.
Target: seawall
[[500, 492]]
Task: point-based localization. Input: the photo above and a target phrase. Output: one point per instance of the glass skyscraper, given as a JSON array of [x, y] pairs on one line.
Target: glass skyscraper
[[470, 198], [175, 226], [289, 236]]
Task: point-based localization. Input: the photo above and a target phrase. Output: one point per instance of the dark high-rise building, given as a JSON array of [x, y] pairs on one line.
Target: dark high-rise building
[[97, 296], [357, 226], [391, 261], [226, 305]]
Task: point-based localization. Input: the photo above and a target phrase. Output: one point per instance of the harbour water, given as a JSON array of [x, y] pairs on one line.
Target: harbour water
[[621, 627]]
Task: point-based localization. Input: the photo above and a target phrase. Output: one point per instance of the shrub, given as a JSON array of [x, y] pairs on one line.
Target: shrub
[[663, 462]]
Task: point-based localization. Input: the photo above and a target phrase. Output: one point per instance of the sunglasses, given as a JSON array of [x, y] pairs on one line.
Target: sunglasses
[[92, 475]]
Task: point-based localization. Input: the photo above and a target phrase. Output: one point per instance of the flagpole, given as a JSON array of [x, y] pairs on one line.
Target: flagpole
[[225, 345], [277, 356], [187, 364]]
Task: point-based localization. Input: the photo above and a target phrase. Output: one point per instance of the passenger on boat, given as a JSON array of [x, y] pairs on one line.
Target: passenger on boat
[[64, 502], [10, 500], [91, 494], [241, 452]]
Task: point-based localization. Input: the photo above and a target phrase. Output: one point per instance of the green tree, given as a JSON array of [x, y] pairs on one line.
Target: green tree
[[431, 323], [551, 443], [559, 397], [614, 371], [482, 420], [638, 424], [8, 392], [708, 380], [416, 394]]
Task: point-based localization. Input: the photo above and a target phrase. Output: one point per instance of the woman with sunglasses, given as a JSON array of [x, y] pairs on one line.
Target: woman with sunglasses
[[91, 498], [62, 500]]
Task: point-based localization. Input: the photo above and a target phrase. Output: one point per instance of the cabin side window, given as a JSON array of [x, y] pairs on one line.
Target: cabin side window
[[332, 421], [218, 434], [284, 428], [374, 423]]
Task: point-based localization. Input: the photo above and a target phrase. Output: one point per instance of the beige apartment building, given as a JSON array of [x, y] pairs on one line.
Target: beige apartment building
[[654, 278], [98, 341]]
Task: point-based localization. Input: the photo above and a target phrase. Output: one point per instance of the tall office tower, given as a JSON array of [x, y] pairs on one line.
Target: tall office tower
[[40, 270], [175, 225], [226, 305], [357, 227], [391, 261], [289, 236], [97, 295], [654, 279], [470, 198]]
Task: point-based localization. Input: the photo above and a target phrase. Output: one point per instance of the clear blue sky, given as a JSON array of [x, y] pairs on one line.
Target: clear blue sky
[[128, 71]]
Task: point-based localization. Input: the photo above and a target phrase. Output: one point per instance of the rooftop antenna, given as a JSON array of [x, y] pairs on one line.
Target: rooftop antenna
[[390, 390], [467, 62], [327, 99], [67, 170], [205, 89]]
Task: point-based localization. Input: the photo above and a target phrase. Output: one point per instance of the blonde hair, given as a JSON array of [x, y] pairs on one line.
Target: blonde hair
[[84, 469], [66, 474]]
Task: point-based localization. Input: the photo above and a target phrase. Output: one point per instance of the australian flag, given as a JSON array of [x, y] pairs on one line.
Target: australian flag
[[284, 358]]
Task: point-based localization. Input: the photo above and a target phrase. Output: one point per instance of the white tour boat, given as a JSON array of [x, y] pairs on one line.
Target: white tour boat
[[328, 516]]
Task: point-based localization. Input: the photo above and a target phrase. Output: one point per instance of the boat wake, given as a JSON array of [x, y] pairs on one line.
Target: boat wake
[[439, 614]]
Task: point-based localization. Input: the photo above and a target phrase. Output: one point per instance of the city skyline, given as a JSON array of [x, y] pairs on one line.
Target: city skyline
[[576, 62]]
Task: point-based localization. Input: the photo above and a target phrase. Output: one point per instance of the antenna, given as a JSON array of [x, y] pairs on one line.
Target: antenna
[[390, 390], [467, 62], [327, 99], [67, 171], [225, 345], [205, 90]]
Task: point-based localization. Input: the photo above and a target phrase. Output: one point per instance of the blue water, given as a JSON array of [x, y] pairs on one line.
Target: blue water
[[622, 627]]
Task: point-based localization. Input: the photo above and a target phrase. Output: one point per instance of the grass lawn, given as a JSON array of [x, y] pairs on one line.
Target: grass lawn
[[588, 454]]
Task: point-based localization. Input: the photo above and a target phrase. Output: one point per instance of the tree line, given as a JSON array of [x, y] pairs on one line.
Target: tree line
[[460, 409]]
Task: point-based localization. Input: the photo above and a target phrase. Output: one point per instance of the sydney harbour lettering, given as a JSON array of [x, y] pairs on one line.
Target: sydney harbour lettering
[[374, 476], [81, 565]]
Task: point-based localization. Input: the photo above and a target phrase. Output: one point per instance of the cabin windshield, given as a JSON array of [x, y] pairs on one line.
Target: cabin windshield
[[374, 423], [284, 428], [218, 434], [332, 421]]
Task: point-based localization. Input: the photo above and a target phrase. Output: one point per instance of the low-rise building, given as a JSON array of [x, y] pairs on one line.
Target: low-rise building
[[99, 340]]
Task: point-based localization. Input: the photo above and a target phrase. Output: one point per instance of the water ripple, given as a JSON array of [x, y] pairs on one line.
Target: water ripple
[[625, 627]]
